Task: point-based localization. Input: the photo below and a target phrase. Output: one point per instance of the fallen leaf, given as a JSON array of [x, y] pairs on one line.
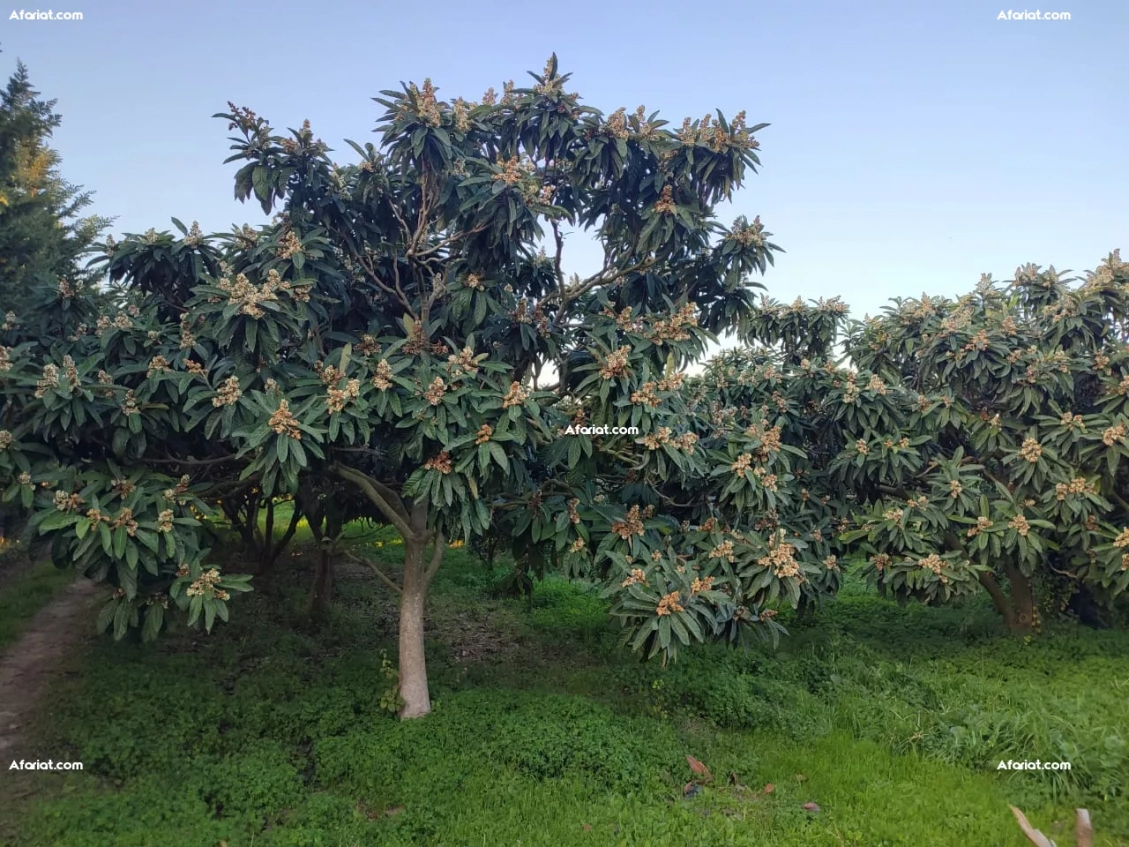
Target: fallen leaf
[[811, 807], [587, 827], [691, 789], [801, 778], [768, 788], [698, 767], [395, 810]]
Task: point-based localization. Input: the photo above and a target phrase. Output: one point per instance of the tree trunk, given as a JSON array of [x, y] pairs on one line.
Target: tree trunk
[[1022, 598], [418, 573], [321, 591], [999, 599], [1018, 610], [413, 662]]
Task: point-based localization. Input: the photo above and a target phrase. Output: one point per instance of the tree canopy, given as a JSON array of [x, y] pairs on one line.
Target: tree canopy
[[405, 342], [393, 329]]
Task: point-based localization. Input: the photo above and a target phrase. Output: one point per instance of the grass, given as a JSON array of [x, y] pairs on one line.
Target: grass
[[24, 592], [272, 733]]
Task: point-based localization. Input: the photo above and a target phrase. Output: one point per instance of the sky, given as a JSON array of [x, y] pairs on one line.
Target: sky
[[912, 147]]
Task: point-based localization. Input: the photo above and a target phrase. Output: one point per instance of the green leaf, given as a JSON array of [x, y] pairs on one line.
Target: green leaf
[[154, 620], [106, 614], [499, 455]]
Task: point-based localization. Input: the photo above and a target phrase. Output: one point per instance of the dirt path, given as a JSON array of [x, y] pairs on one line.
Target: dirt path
[[28, 666]]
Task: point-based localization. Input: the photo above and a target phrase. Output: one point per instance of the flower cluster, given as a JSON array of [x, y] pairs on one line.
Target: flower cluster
[[291, 245], [382, 376], [636, 577], [514, 170], [665, 205], [434, 394], [724, 550], [631, 525], [1031, 450], [157, 365], [700, 585], [1020, 524], [646, 395], [206, 584], [782, 559], [49, 381], [441, 463], [66, 502], [125, 520], [669, 603], [573, 515], [982, 524], [1078, 485], [484, 433], [248, 296], [337, 398], [1114, 434], [674, 327], [229, 393], [187, 338], [615, 365], [1073, 422], [747, 234], [465, 364], [515, 396], [284, 423], [936, 564]]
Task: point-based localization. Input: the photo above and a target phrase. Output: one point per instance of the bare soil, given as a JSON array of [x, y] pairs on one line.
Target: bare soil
[[28, 666]]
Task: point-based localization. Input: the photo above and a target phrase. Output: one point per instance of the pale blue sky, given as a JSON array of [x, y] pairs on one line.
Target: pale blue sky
[[913, 145]]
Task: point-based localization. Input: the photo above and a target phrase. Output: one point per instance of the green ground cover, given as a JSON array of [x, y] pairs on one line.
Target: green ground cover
[[272, 732]]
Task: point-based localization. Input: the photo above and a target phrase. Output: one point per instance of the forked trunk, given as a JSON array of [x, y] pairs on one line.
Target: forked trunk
[[1018, 610]]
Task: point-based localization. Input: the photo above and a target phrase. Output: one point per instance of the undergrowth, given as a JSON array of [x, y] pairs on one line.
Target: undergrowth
[[271, 732]]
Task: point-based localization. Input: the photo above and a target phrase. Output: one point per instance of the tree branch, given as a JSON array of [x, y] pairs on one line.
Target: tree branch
[[193, 462], [567, 295], [436, 557], [381, 495], [369, 563]]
